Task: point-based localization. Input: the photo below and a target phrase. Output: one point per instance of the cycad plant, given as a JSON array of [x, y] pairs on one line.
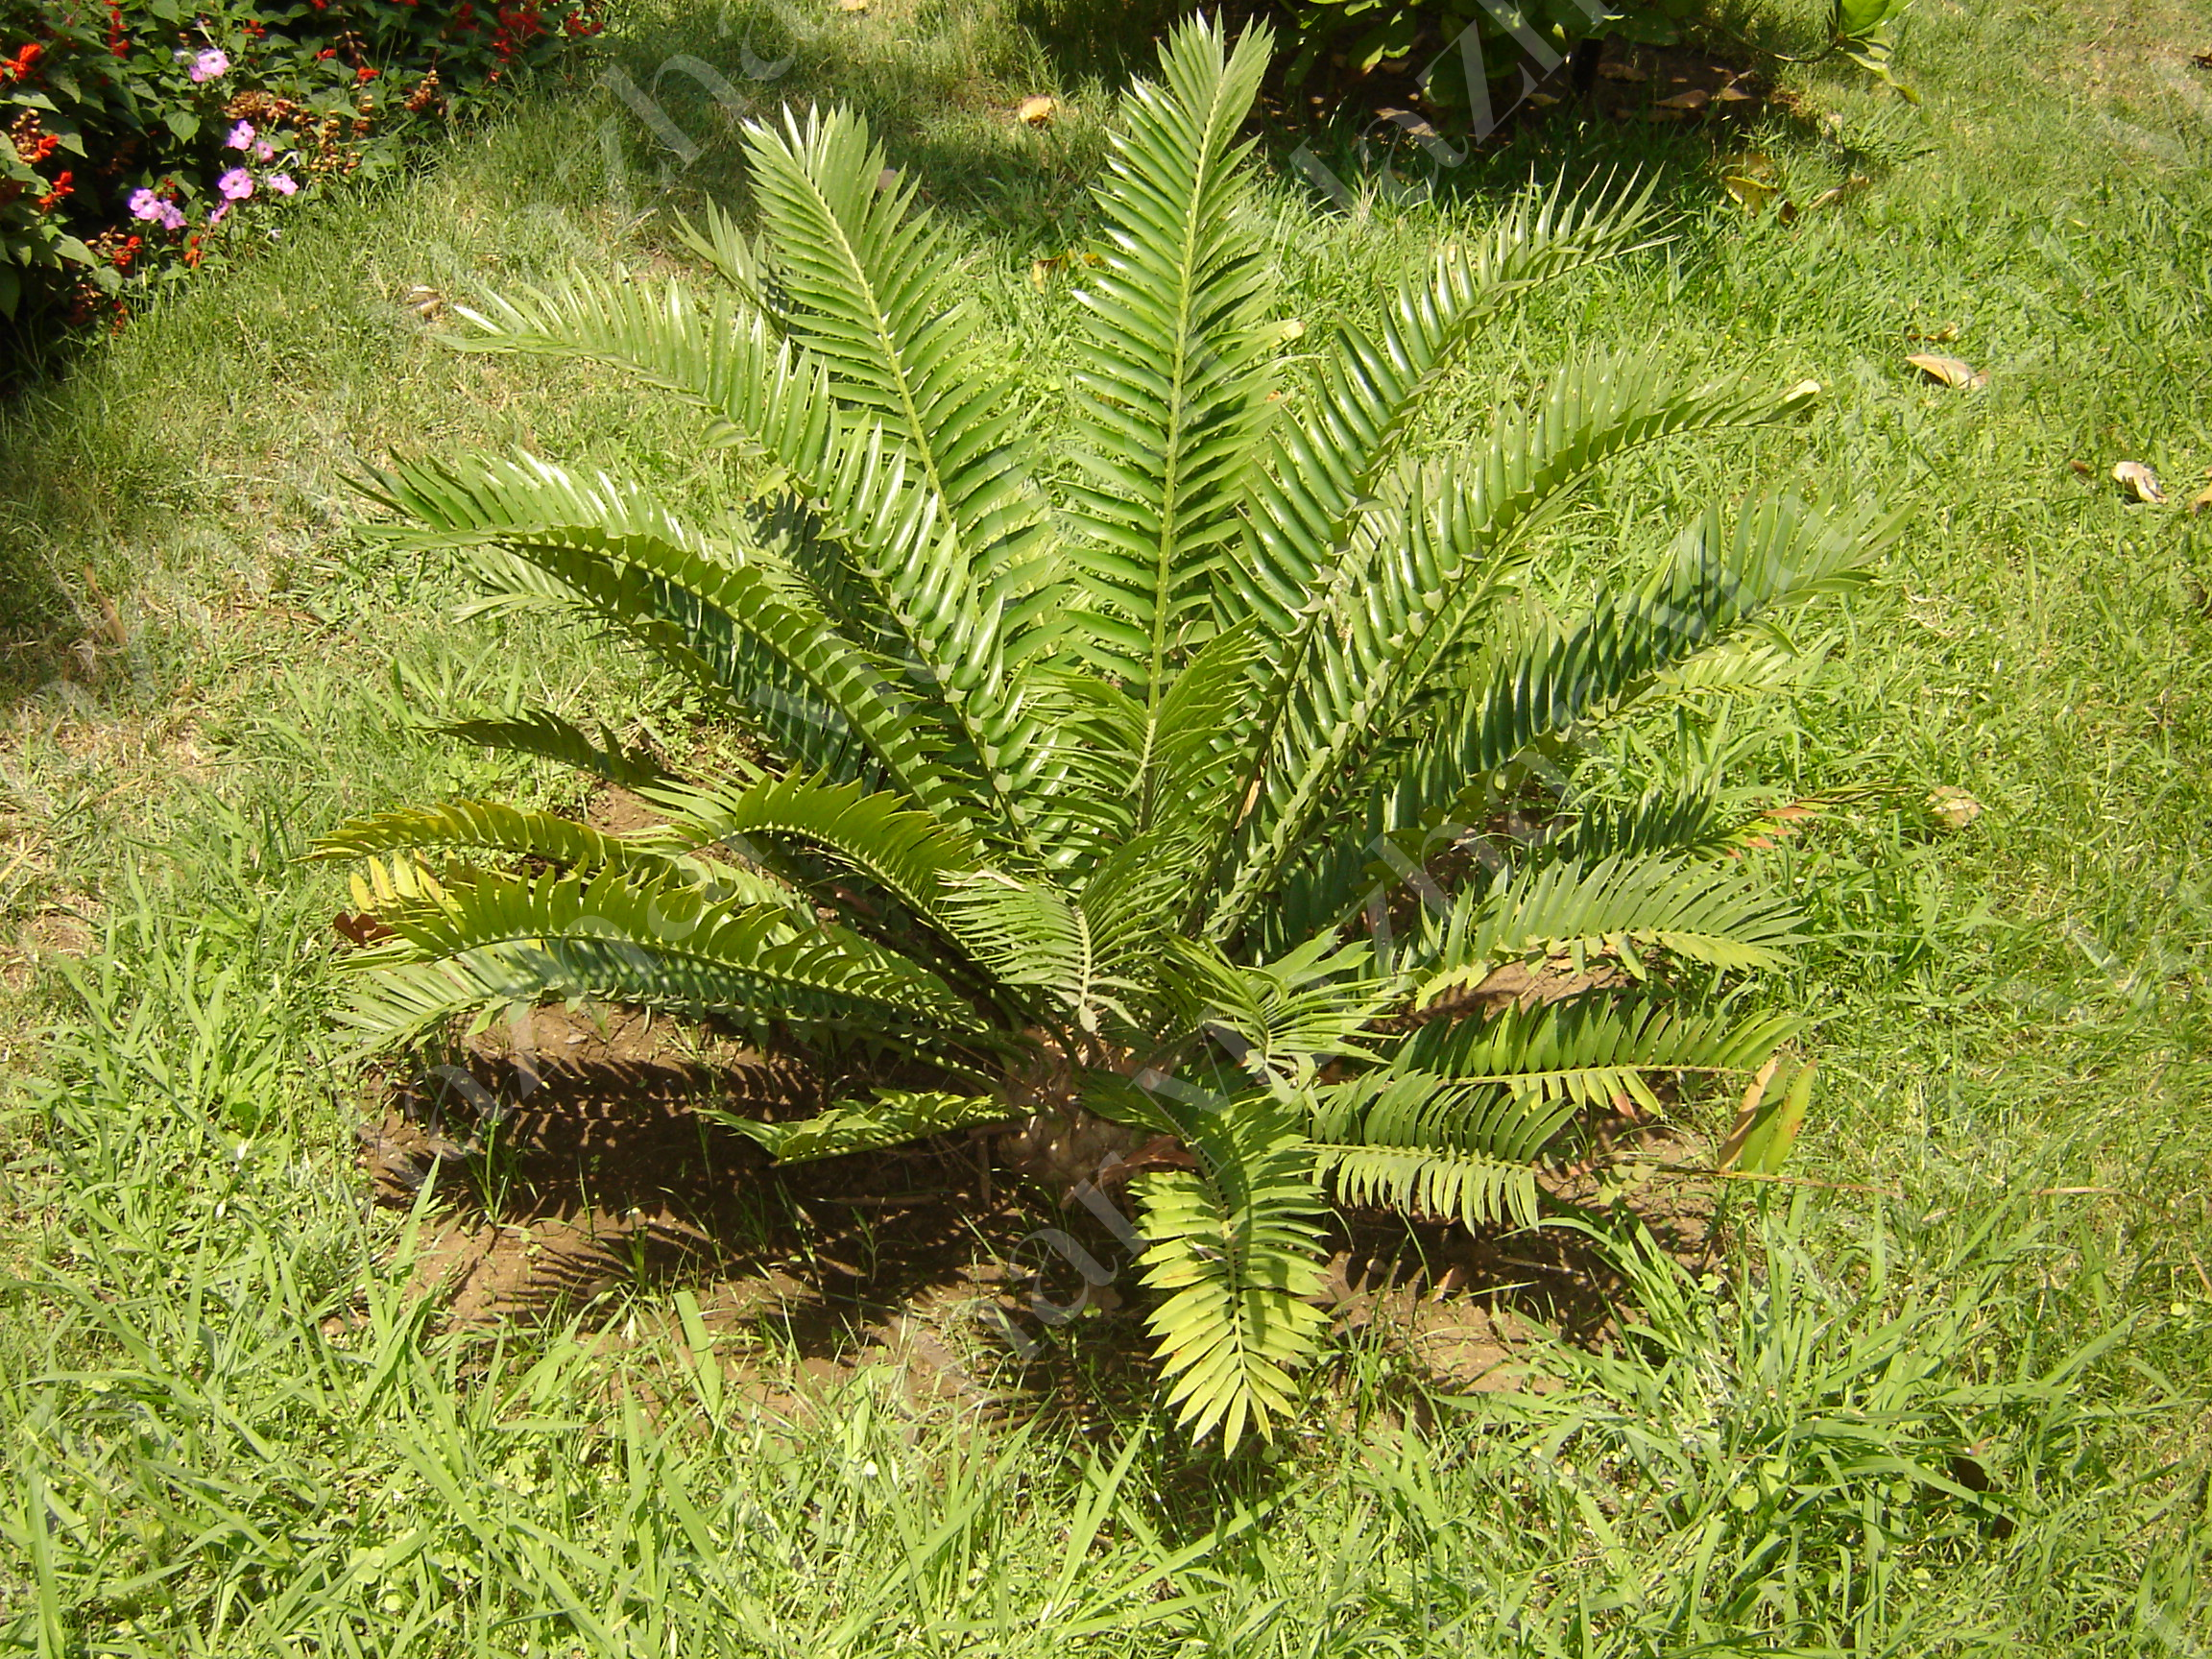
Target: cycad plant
[[1158, 790]]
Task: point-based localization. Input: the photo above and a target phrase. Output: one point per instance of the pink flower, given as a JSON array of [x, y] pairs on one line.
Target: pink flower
[[281, 183], [216, 218], [241, 136], [236, 185], [170, 217], [209, 64], [263, 152], [145, 205]]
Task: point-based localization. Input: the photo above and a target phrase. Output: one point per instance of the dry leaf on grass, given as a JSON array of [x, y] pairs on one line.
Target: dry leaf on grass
[[1935, 336], [1734, 94], [2138, 483], [1953, 807], [852, 5], [1616, 71], [1036, 111], [1959, 376], [887, 180], [1696, 98], [2203, 501]]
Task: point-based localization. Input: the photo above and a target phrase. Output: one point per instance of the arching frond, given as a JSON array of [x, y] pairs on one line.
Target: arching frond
[[1617, 908], [481, 939], [892, 1117], [546, 734], [1176, 363], [1234, 1250], [881, 836], [1329, 458], [491, 827], [1417, 576]]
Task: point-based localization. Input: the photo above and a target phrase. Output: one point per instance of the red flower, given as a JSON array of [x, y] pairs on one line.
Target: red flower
[[192, 248], [363, 73], [62, 186], [327, 51], [16, 67]]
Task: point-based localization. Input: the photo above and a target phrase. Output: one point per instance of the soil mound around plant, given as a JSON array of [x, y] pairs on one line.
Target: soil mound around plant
[[572, 1170]]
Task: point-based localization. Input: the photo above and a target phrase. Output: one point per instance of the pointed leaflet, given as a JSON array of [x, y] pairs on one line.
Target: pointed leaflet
[[1176, 365], [1408, 586], [1235, 1247]]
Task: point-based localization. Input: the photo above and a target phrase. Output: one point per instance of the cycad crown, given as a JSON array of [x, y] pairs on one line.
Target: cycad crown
[[1121, 773]]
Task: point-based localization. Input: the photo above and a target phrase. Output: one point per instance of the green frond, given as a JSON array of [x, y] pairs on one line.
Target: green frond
[[719, 354], [881, 836], [727, 616], [1618, 907], [871, 290], [493, 826], [1574, 1054], [1234, 1250], [1329, 459], [1422, 569], [1781, 552], [481, 939], [1176, 363], [892, 1117], [1463, 1186], [547, 736]]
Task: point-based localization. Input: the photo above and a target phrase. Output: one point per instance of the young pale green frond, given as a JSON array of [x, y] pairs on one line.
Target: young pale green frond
[[881, 836], [1463, 1186], [1617, 908], [892, 1117], [1234, 1249], [547, 736], [1088, 948], [1781, 552], [1176, 363], [618, 938], [1282, 1019], [1584, 1053], [1418, 574], [1325, 462]]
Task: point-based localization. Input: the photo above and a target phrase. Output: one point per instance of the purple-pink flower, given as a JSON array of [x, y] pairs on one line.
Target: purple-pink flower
[[264, 152], [146, 206], [236, 185], [216, 218], [281, 183], [208, 64], [241, 136]]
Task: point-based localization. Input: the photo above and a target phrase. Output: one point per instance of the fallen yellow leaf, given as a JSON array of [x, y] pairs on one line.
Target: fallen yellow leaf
[[1959, 376], [2203, 501], [852, 5], [2138, 481], [1953, 807], [1036, 111], [1696, 98]]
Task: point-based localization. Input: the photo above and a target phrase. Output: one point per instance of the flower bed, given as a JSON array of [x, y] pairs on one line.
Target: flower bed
[[144, 138]]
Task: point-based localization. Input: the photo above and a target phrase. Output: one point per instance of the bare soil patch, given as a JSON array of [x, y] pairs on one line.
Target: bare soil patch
[[572, 1168]]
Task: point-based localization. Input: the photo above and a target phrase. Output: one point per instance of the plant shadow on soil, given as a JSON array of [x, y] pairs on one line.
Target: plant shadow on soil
[[571, 1167]]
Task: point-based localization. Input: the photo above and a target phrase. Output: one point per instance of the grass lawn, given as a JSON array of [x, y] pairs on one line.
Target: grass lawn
[[1961, 1408]]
